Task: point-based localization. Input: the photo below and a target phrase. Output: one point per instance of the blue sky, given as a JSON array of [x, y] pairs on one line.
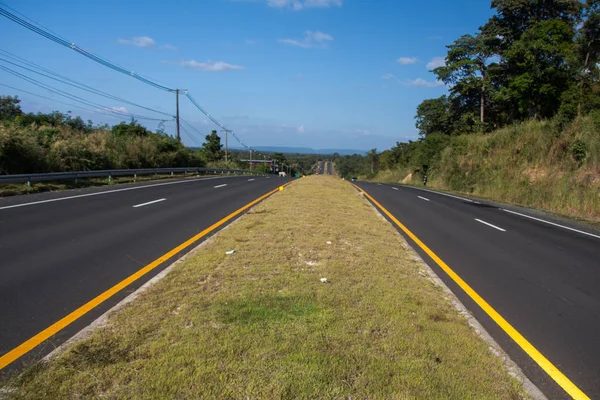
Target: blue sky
[[303, 73]]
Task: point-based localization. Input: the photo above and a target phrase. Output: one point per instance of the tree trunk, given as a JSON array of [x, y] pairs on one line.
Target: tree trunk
[[482, 96], [585, 68]]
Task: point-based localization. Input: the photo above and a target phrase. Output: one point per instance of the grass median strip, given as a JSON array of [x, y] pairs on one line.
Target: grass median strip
[[260, 323]]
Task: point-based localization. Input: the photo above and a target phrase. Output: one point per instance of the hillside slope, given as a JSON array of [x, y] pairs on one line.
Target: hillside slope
[[533, 164]]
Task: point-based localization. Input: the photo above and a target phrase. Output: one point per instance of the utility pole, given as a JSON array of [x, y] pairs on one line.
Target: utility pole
[[226, 148], [177, 117], [177, 112], [250, 159]]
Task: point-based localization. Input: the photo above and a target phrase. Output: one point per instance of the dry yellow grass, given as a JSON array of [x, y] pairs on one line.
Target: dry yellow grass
[[261, 324]]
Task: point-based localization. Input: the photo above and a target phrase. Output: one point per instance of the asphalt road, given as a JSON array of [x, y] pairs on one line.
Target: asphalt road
[[64, 249], [325, 168], [321, 168], [543, 279]]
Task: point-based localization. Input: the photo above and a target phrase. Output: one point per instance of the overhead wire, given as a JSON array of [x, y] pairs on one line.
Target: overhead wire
[[74, 97], [63, 42], [42, 31], [59, 101], [73, 83], [190, 136]]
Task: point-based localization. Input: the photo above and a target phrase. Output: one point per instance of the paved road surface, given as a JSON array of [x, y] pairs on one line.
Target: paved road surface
[[55, 256], [325, 168], [543, 279], [321, 168]]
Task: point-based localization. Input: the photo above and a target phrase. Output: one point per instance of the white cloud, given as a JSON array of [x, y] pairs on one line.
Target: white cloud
[[207, 66], [424, 83], [139, 41], [407, 60], [389, 76], [311, 39], [436, 62], [120, 110], [298, 5], [363, 132], [168, 47], [300, 129]]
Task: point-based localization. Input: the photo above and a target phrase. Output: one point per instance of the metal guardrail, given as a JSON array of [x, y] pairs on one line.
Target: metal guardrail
[[110, 173]]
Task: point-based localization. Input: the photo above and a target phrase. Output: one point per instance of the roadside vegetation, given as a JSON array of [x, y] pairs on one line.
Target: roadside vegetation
[[57, 142], [260, 323], [521, 122]]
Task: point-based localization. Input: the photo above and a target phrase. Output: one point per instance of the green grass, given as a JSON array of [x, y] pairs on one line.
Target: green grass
[[260, 324]]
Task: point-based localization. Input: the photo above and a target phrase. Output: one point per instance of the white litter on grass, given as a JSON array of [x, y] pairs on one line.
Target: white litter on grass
[[328, 242], [230, 252], [324, 280]]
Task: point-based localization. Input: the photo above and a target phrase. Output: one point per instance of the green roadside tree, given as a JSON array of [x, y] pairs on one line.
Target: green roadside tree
[[588, 52], [434, 115], [213, 147], [538, 71], [465, 72], [9, 108], [372, 161]]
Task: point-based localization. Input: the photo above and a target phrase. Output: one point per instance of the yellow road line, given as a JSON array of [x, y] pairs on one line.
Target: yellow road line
[[538, 357], [53, 329]]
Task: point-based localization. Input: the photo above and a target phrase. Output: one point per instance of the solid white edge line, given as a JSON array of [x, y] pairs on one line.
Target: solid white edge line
[[423, 198], [220, 186], [551, 223], [488, 224], [446, 194], [395, 188], [107, 192], [148, 203]]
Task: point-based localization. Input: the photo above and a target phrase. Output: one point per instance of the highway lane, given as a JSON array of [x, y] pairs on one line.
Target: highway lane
[[57, 255], [321, 168], [325, 168], [543, 279]]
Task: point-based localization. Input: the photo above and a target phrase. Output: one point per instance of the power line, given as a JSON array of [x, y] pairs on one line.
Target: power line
[[190, 136], [73, 83], [73, 97], [214, 120], [191, 127], [58, 101], [63, 42], [40, 30]]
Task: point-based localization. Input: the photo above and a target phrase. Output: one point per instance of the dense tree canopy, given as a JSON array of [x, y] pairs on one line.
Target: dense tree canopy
[[532, 59]]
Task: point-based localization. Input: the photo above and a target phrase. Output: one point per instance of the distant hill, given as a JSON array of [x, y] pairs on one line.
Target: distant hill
[[306, 150]]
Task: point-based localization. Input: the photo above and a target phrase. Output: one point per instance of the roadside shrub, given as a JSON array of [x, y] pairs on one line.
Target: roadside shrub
[[579, 151]]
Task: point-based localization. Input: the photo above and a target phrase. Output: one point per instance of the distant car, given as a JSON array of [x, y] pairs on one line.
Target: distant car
[[354, 179]]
